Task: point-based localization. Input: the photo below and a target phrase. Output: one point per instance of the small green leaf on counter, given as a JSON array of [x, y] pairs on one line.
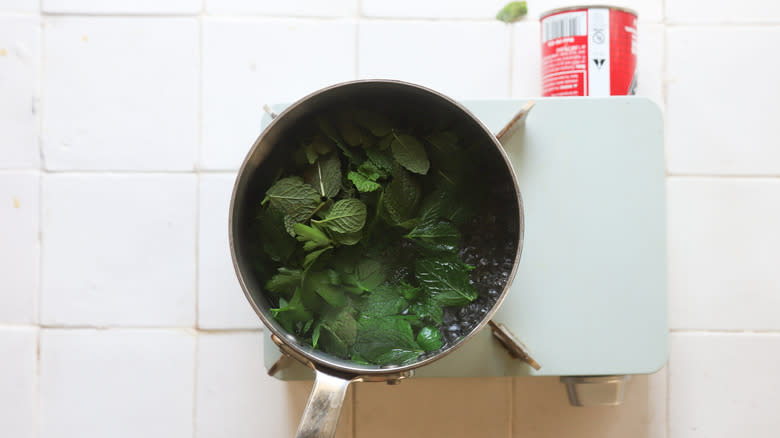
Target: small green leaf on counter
[[512, 12]]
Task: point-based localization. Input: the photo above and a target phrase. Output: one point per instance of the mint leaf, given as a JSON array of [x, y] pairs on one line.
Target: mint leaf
[[284, 282], [327, 175], [410, 153], [362, 183], [348, 238], [512, 12], [291, 312], [428, 309], [312, 237], [446, 281], [386, 340], [429, 338], [384, 142], [441, 236], [277, 244], [346, 216], [350, 132], [382, 159], [401, 197], [311, 257], [292, 193], [332, 295], [338, 331], [369, 274], [383, 301], [371, 171], [376, 123], [408, 291], [321, 145]]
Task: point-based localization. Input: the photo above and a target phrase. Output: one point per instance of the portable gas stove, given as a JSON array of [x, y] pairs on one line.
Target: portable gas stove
[[589, 299]]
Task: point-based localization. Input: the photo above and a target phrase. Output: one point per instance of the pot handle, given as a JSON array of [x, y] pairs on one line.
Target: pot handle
[[322, 412]]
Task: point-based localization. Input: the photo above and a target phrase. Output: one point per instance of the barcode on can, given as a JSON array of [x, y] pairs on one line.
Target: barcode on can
[[564, 25]]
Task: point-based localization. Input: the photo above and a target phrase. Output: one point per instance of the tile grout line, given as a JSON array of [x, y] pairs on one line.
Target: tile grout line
[[41, 165], [195, 386]]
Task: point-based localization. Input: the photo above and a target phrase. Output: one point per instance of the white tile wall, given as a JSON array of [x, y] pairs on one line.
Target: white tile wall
[[19, 91], [484, 9], [18, 382], [122, 7], [244, 64], [462, 59], [236, 398], [118, 383], [526, 59], [120, 93], [19, 5], [723, 100], [722, 11], [19, 259], [723, 385], [295, 8], [724, 253], [118, 250], [137, 108], [221, 302]]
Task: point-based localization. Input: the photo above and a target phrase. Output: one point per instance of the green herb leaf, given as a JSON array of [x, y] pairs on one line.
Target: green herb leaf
[[446, 281], [348, 238], [312, 237], [291, 312], [350, 132], [376, 123], [338, 332], [321, 145], [441, 236], [429, 338], [327, 175], [428, 309], [384, 142], [371, 171], [311, 257], [386, 340], [401, 197], [382, 159], [408, 291], [292, 193], [333, 295], [284, 282], [346, 216], [369, 274], [277, 244], [311, 153], [410, 153], [383, 301], [512, 12], [362, 183]]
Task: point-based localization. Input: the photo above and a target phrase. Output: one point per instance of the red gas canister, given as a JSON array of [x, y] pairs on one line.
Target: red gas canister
[[589, 51]]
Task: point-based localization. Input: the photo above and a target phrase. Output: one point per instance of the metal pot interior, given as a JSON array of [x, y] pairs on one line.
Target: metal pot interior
[[272, 150]]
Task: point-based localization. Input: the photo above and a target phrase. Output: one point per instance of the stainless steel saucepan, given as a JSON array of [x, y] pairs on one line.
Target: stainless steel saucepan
[[269, 153]]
